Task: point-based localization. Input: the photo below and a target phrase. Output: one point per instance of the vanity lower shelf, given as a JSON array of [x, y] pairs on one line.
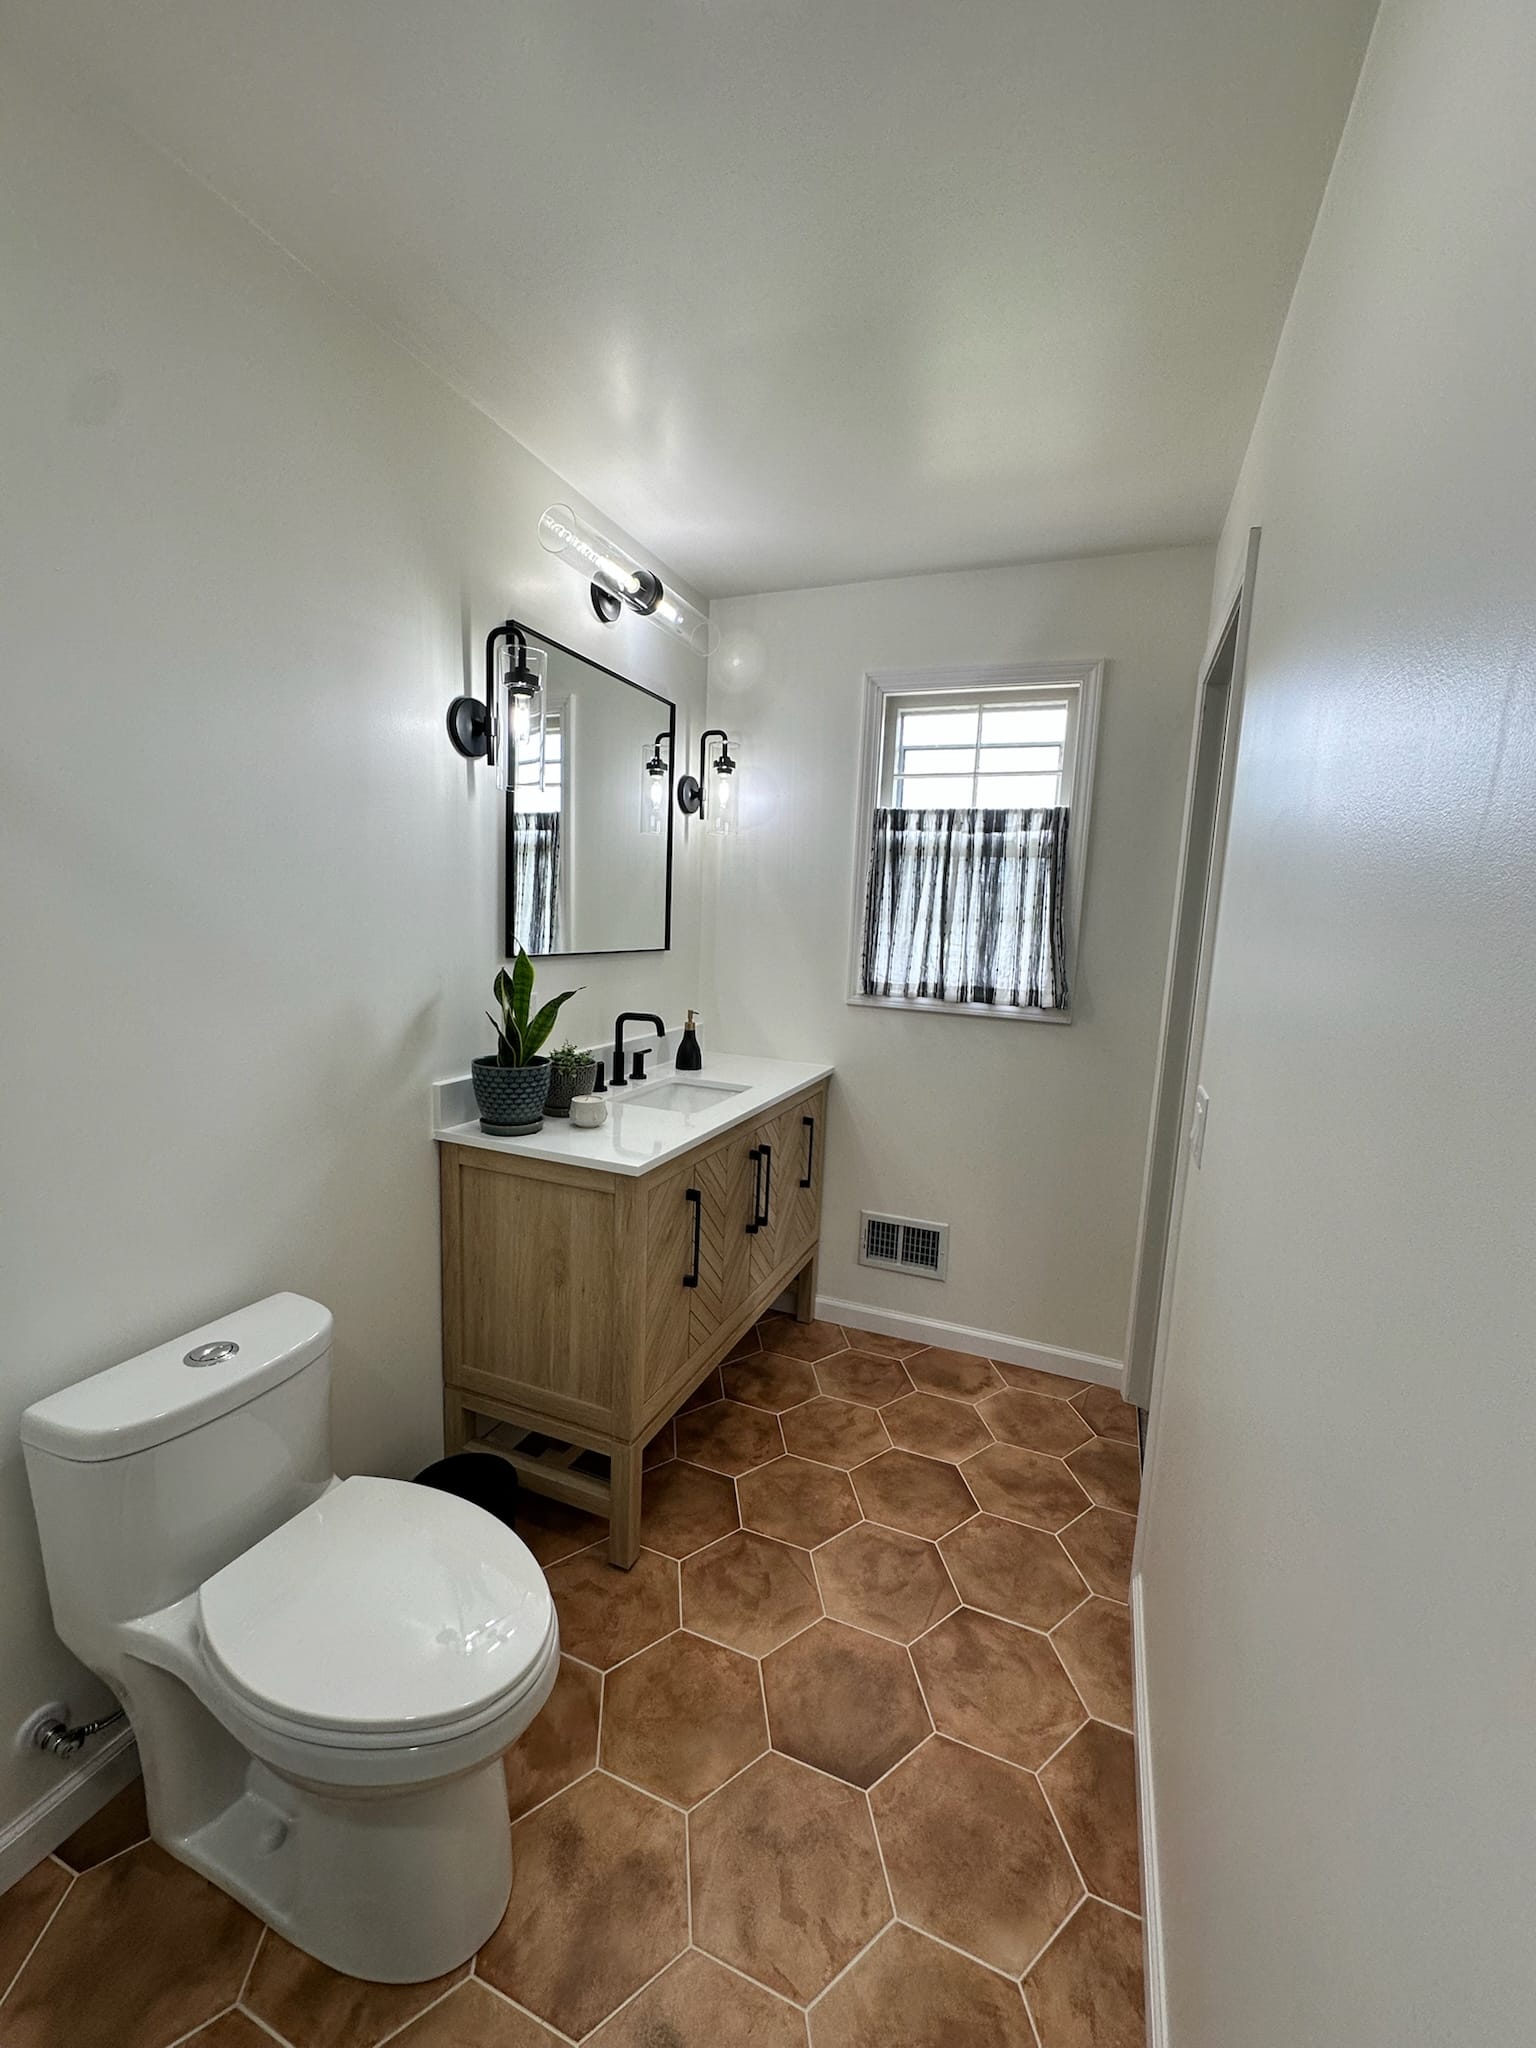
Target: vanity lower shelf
[[581, 1308]]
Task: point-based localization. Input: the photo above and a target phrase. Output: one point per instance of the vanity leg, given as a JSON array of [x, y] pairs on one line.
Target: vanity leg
[[624, 1505], [805, 1292], [456, 1430]]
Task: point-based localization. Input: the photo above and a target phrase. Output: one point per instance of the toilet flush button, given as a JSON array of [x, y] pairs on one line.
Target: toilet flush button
[[211, 1354]]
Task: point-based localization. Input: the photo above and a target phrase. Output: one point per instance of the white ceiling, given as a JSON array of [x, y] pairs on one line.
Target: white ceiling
[[798, 290]]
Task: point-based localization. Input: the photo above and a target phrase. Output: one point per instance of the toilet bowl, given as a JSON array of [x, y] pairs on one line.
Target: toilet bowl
[[322, 1673]]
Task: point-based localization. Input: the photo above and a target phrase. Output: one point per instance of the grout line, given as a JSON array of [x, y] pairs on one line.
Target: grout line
[[497, 1992], [15, 1977], [250, 1968], [395, 2032], [256, 2020]]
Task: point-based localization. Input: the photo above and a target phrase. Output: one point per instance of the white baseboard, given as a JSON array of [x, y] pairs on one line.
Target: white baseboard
[[81, 1791], [1072, 1365], [1151, 1896]]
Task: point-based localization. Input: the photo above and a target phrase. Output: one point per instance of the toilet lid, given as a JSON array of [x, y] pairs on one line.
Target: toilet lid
[[384, 1607]]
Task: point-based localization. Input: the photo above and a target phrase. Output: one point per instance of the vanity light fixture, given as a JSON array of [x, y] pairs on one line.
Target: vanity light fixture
[[514, 693], [714, 776], [617, 579], [654, 777]]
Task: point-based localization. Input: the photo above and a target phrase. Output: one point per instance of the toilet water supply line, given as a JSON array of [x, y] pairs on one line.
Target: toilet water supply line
[[56, 1739]]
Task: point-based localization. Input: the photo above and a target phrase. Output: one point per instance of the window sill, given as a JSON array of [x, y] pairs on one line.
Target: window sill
[[939, 1009]]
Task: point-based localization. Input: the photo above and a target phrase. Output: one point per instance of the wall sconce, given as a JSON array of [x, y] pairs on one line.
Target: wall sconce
[[717, 777], [655, 774], [617, 579], [514, 692]]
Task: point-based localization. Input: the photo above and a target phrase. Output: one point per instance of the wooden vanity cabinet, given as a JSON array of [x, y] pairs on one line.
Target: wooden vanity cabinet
[[580, 1308]]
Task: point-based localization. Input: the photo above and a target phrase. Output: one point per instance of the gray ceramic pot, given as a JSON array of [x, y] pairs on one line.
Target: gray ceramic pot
[[563, 1086], [511, 1099]]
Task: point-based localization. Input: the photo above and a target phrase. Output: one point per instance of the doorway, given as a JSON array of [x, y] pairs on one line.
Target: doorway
[[1207, 806]]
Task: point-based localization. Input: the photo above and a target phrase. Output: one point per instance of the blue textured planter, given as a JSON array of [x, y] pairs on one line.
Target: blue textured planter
[[511, 1099]]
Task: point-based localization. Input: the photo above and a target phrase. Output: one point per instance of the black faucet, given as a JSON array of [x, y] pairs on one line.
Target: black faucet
[[619, 1079]]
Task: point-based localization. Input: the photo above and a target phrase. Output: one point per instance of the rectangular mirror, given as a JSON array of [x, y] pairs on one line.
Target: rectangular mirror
[[589, 820]]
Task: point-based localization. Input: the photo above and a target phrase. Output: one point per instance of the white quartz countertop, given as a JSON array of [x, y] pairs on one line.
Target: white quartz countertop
[[635, 1139]]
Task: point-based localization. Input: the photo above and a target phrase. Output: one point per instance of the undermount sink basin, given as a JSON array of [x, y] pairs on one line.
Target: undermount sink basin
[[683, 1098]]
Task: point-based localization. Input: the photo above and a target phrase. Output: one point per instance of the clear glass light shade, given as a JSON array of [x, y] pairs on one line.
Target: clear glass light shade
[[590, 553], [688, 623], [519, 705], [720, 796], [602, 561], [654, 781]]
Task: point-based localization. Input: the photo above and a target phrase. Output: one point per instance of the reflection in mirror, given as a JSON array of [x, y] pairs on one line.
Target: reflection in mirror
[[589, 846]]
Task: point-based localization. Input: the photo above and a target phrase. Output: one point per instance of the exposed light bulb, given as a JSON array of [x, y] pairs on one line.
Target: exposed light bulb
[[521, 719]]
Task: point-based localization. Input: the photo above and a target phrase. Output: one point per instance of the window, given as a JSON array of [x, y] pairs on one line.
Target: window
[[972, 825]]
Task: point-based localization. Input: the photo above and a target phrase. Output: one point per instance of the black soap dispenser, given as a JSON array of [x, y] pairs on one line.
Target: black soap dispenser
[[689, 1058]]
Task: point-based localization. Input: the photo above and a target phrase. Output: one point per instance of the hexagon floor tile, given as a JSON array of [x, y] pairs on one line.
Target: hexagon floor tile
[[974, 1855], [956, 1373], [599, 1904], [767, 1379], [924, 1496], [936, 1427], [141, 1951], [560, 1744], [1095, 1645], [797, 1501], [474, 2016], [606, 1616], [1000, 1688], [787, 1883], [1034, 1422], [876, 1380], [682, 1717], [1086, 1990], [696, 2003], [844, 1702], [1109, 1473], [885, 1581], [1006, 1568], [729, 1437], [810, 1342], [750, 1592], [1091, 1785], [1025, 1486], [684, 1507], [910, 1991], [314, 2007], [1100, 1543], [833, 1432]]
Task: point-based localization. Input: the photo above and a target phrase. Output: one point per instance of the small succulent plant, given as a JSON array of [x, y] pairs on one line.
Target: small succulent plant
[[568, 1060], [519, 1036]]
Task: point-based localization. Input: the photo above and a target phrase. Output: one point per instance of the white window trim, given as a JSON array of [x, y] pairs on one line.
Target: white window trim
[[880, 685]]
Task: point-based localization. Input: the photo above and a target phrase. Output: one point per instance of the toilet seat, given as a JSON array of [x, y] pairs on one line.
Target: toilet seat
[[383, 1616]]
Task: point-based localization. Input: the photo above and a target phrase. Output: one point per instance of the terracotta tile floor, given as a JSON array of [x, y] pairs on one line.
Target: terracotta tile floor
[[844, 1762]]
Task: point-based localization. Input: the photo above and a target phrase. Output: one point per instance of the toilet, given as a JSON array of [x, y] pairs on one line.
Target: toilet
[[322, 1674]]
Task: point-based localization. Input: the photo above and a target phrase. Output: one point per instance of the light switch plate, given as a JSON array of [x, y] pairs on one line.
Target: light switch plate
[[1197, 1126]]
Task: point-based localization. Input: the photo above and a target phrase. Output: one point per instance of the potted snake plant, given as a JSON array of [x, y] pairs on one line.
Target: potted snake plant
[[512, 1083]]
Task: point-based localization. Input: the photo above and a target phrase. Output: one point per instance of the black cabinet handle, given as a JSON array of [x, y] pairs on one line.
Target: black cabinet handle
[[767, 1186], [693, 1195], [810, 1149], [756, 1157]]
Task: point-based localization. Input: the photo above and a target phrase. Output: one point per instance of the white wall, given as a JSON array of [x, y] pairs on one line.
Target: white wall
[[250, 896], [1339, 1562], [1026, 1138]]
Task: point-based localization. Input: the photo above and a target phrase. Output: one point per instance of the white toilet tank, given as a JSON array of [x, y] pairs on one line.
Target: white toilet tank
[[151, 1476]]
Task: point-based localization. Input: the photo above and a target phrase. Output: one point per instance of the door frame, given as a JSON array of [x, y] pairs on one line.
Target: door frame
[[1165, 1173]]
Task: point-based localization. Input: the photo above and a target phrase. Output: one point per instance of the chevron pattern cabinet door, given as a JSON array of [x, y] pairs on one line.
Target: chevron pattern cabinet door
[[804, 1147], [724, 1180], [669, 1258]]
